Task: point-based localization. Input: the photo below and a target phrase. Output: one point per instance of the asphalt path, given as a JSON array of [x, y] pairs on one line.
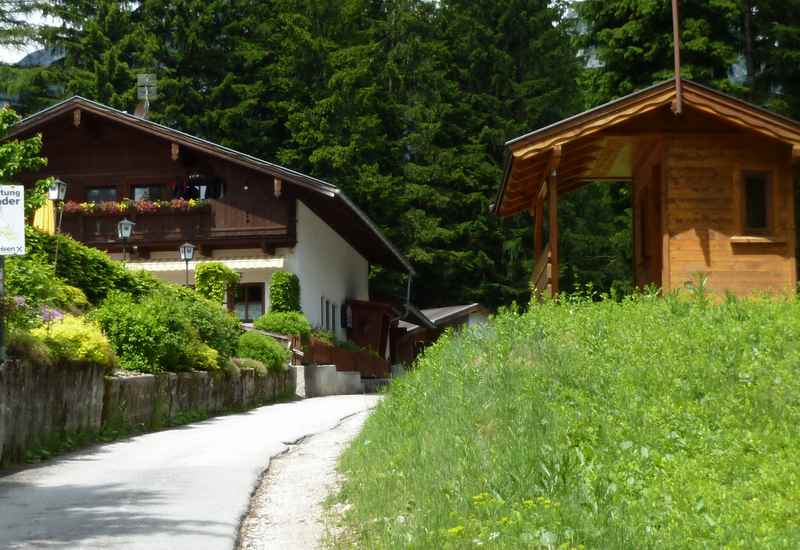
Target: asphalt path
[[184, 488]]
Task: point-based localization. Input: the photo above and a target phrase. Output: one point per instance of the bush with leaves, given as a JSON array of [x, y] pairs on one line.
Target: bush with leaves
[[74, 339], [24, 346], [289, 323], [87, 268], [215, 326], [254, 364], [170, 329], [254, 345], [284, 292], [213, 279]]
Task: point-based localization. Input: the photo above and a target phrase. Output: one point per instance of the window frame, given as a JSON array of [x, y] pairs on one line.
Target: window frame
[[766, 229], [164, 195], [91, 188], [232, 302], [770, 176]]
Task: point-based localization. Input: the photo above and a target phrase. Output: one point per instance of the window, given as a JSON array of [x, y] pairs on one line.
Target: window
[[756, 201], [149, 192], [200, 186], [248, 302], [101, 194], [327, 315]]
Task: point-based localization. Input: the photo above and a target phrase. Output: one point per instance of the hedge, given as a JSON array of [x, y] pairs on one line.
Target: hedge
[[284, 292]]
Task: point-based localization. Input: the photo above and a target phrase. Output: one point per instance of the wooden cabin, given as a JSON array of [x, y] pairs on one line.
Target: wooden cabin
[[712, 181]]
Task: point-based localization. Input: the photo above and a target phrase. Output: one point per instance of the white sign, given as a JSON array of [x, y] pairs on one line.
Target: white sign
[[12, 220]]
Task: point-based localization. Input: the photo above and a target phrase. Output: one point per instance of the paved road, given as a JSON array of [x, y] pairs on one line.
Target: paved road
[[181, 489]]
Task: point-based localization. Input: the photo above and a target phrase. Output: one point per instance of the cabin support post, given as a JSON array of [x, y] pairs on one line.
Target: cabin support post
[[538, 222], [552, 210]]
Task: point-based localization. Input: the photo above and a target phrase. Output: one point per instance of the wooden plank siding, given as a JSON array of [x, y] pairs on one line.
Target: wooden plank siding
[[704, 213]]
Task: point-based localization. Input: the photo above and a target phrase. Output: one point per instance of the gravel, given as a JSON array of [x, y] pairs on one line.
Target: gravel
[[286, 511]]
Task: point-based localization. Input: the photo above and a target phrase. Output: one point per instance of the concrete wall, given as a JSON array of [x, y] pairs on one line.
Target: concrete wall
[[328, 268], [324, 380], [39, 405]]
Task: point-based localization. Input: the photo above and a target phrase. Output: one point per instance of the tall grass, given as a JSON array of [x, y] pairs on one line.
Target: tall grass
[[651, 423]]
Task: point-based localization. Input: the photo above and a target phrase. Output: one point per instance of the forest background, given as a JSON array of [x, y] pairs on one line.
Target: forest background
[[406, 104]]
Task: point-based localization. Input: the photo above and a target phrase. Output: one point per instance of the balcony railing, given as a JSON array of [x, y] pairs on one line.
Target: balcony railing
[[165, 225]]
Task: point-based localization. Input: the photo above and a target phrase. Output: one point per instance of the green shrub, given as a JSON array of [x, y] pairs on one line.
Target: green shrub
[[70, 298], [260, 347], [284, 292], [151, 335], [231, 369], [215, 326], [213, 279], [87, 268], [170, 329], [73, 339], [650, 423], [325, 336], [204, 357], [247, 363], [25, 346], [290, 323]]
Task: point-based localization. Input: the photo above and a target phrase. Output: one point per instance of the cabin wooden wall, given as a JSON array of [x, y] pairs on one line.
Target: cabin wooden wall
[[703, 214]]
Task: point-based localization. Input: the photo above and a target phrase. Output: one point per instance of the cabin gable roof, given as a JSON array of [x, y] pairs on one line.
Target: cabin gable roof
[[530, 157]]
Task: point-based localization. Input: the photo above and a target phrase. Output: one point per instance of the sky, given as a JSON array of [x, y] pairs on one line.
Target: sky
[[12, 55]]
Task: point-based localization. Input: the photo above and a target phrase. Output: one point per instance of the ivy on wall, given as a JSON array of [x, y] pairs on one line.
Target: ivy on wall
[[284, 292], [213, 279]]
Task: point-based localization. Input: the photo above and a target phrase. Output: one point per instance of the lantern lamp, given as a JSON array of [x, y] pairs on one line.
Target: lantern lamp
[[57, 191]]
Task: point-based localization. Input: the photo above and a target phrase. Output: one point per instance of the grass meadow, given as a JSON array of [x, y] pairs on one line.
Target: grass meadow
[[648, 423]]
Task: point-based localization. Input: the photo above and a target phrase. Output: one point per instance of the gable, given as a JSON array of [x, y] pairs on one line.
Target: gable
[[599, 144]]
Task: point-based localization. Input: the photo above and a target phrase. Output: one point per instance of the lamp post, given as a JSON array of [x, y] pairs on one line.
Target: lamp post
[[187, 253], [124, 230], [57, 193]]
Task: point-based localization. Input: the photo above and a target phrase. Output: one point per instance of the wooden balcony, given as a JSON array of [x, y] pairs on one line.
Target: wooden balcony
[[169, 227]]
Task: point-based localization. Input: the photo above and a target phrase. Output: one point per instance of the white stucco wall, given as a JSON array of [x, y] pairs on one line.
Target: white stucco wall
[[327, 266]]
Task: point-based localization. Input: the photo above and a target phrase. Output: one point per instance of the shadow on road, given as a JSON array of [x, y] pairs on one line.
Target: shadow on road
[[61, 516]]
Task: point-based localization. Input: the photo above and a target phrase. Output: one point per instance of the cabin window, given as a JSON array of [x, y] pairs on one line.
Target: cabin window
[[756, 201], [248, 302], [101, 194], [149, 192]]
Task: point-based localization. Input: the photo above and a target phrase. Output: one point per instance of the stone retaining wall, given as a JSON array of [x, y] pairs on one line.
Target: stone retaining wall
[[40, 405]]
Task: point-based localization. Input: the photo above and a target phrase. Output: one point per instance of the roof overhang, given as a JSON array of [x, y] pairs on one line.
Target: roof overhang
[[581, 143], [327, 197]]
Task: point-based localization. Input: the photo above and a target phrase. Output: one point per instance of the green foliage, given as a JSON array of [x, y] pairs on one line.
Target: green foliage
[[33, 278], [22, 156], [648, 423], [87, 268], [213, 279], [25, 346], [253, 345], [284, 292], [214, 325], [204, 358], [73, 339], [247, 363], [169, 330], [290, 323]]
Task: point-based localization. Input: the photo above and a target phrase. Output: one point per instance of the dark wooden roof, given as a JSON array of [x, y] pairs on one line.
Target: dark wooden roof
[[325, 199]]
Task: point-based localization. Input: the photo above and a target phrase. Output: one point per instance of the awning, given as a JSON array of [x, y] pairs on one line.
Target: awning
[[242, 264]]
